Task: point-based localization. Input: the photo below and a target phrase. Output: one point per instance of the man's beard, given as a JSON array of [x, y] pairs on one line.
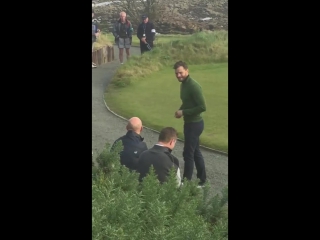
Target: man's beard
[[182, 79]]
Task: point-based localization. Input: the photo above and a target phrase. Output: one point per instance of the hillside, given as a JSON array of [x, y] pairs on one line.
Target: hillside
[[181, 17]]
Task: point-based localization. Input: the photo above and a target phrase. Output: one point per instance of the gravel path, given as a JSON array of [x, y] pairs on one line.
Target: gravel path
[[106, 127]]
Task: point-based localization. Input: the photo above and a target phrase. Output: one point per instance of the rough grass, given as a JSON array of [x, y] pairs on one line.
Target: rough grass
[[102, 40], [159, 39], [203, 47]]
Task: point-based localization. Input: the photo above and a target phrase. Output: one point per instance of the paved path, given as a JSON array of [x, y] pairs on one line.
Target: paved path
[[107, 127]]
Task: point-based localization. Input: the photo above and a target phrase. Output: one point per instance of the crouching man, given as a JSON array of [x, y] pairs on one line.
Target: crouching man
[[160, 157]]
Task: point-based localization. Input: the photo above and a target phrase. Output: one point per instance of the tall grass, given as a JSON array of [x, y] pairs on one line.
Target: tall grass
[[199, 48], [159, 39], [102, 40]]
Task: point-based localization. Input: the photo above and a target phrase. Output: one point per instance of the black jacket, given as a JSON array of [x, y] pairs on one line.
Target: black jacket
[[133, 146], [116, 29], [147, 29], [162, 161]]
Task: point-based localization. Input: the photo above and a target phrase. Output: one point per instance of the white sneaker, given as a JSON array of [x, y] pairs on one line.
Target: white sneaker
[[94, 66]]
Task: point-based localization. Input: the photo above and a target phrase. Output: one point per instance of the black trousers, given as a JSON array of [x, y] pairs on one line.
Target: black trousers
[[144, 48], [191, 152]]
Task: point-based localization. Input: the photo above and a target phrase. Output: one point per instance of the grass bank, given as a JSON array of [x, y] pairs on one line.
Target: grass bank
[[159, 39], [146, 85], [102, 40]]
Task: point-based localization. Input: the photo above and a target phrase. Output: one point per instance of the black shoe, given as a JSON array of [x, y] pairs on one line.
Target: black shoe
[[201, 184]]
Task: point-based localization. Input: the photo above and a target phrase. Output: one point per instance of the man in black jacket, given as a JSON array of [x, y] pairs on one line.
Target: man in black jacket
[[146, 33], [133, 144], [160, 157]]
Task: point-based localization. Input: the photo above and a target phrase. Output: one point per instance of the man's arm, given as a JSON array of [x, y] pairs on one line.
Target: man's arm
[[153, 31], [130, 30], [139, 32], [197, 96], [113, 147], [115, 30], [97, 27]]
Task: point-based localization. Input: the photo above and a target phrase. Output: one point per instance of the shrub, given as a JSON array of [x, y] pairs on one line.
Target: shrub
[[124, 209]]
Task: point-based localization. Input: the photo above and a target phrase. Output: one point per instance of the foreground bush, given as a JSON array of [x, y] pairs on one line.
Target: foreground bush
[[124, 209]]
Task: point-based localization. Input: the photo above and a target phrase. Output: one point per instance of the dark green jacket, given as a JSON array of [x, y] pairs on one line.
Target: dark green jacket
[[193, 102], [116, 29]]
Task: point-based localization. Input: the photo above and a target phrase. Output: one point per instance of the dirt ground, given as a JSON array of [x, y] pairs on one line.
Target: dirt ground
[[106, 127]]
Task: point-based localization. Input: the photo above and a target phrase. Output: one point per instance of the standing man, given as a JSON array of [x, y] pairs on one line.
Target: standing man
[[95, 34], [193, 104], [133, 144], [122, 31], [146, 33]]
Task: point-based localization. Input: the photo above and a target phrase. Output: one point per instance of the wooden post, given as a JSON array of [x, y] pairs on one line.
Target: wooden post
[[108, 54], [103, 55]]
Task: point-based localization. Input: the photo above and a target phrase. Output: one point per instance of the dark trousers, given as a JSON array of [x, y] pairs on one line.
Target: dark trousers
[[191, 152], [144, 48]]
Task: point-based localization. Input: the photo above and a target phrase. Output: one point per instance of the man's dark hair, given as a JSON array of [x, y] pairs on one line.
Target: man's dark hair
[[180, 64], [167, 134]]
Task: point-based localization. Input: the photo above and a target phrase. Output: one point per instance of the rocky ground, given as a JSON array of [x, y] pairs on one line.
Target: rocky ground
[[180, 17]]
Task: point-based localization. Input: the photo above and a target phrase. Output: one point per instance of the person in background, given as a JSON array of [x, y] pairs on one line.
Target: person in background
[[146, 33], [122, 31], [95, 34]]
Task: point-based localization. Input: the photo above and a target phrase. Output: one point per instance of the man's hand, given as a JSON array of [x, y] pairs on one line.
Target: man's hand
[[143, 39], [178, 114]]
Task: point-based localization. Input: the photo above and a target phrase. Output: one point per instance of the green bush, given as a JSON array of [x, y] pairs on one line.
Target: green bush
[[124, 209]]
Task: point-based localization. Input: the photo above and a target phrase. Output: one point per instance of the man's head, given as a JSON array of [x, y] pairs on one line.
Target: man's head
[[145, 18], [135, 125], [181, 70], [168, 137], [123, 16]]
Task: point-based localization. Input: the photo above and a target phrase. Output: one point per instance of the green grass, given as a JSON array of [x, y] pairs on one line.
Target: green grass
[[146, 86], [159, 40], [155, 98]]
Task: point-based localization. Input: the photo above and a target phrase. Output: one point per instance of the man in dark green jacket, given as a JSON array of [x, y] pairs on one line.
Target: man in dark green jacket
[[193, 104]]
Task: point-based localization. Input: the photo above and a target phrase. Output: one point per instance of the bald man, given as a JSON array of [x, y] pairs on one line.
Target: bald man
[[133, 144]]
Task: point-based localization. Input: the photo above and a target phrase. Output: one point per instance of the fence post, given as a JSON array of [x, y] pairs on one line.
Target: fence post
[[103, 55], [108, 54]]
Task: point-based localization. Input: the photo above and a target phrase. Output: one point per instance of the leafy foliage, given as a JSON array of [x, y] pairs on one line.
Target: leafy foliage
[[122, 208]]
